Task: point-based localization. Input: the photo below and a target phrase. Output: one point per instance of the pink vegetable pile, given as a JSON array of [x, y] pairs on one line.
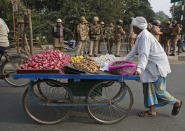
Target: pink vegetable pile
[[50, 59]]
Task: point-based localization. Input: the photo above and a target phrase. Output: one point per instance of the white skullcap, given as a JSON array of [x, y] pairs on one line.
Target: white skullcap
[[140, 22]]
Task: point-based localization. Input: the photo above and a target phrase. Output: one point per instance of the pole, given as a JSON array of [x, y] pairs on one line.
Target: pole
[[182, 15], [30, 32], [13, 16]]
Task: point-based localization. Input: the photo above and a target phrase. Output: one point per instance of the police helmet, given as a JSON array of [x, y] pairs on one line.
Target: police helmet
[[119, 22]]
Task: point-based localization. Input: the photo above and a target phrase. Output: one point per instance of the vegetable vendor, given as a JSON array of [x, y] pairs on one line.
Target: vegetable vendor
[[153, 68]]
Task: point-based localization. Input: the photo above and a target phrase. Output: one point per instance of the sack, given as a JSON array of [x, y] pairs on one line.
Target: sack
[[122, 68]]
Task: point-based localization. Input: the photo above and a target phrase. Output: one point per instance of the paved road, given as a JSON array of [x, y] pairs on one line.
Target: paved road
[[13, 118]]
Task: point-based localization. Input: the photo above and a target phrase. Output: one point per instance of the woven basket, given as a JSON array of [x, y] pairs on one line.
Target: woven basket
[[122, 68]]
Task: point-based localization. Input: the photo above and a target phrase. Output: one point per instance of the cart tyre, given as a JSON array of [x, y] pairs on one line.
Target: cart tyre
[[13, 61], [36, 116], [115, 112]]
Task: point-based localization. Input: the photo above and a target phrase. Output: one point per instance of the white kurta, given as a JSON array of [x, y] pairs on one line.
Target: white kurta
[[3, 34], [152, 59]]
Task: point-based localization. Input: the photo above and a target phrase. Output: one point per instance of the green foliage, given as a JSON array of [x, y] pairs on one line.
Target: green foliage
[[45, 12], [177, 15]]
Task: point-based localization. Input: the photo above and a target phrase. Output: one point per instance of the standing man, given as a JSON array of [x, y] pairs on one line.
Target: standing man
[[131, 38], [176, 29], [166, 37], [153, 68], [4, 42], [119, 32], [82, 31], [150, 24], [102, 38], [156, 31], [95, 33], [87, 41], [58, 34], [109, 36]]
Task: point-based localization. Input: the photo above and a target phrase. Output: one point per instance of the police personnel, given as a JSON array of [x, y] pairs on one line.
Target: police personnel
[[119, 32], [176, 29], [95, 32], [109, 37], [87, 41], [150, 24], [82, 31], [131, 37], [166, 37], [155, 30], [58, 34], [102, 37]]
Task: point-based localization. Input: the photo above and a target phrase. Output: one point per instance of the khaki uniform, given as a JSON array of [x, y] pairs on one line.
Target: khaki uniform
[[102, 39], [175, 33], [166, 38], [109, 36], [156, 31], [58, 38], [94, 32], [119, 32], [131, 39], [82, 31], [150, 26]]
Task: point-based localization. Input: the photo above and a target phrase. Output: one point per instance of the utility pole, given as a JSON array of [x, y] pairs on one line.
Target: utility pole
[[182, 15]]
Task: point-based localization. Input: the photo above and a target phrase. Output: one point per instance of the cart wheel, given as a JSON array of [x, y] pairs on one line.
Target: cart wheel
[[109, 104], [49, 89], [9, 68], [39, 109], [62, 81]]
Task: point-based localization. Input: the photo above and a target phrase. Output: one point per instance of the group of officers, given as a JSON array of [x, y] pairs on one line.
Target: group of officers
[[97, 34], [168, 35], [92, 37]]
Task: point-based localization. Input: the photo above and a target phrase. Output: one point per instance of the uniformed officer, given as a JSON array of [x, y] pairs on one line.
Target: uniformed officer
[[119, 32], [156, 31], [166, 37], [58, 34], [176, 29], [82, 31], [87, 41], [150, 24], [110, 37], [102, 37], [131, 38], [95, 33]]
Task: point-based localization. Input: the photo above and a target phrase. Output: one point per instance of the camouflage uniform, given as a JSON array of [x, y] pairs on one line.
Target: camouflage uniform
[[156, 31], [102, 39], [82, 31], [58, 38], [95, 32], [119, 32], [166, 38], [150, 26], [175, 33], [131, 39], [109, 36]]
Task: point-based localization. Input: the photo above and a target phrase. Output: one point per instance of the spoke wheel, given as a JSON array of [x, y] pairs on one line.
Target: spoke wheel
[[9, 68], [45, 113], [115, 102]]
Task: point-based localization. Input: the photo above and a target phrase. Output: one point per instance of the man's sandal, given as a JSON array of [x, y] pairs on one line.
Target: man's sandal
[[146, 114], [176, 109]]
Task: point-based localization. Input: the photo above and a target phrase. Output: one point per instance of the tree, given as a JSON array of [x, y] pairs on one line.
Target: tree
[[45, 12], [177, 14]]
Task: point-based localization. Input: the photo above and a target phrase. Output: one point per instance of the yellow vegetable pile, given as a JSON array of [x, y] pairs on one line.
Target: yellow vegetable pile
[[74, 59], [87, 63]]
